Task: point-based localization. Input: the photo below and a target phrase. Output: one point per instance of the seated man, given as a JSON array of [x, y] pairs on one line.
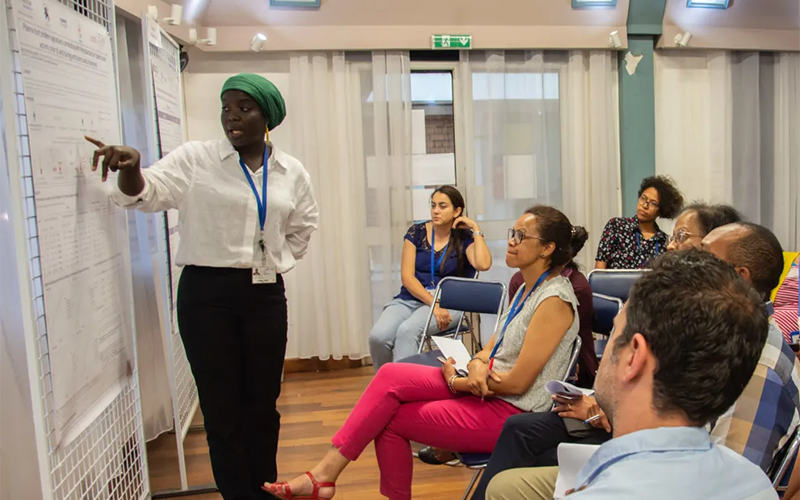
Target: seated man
[[683, 349], [766, 414]]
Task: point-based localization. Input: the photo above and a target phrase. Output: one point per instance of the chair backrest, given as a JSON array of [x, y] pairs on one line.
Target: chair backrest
[[784, 459], [471, 295], [614, 282], [573, 358], [604, 310]]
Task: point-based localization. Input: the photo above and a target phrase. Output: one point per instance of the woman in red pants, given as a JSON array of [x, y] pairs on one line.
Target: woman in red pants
[[406, 402]]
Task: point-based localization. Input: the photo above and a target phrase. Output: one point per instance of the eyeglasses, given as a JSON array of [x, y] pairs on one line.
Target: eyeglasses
[[647, 202], [517, 236], [682, 236]]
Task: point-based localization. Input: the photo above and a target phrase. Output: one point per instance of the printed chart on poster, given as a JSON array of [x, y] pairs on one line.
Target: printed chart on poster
[[165, 67], [167, 89], [164, 57], [70, 91]]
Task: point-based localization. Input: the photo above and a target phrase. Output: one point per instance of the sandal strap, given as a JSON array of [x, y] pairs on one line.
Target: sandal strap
[[317, 485], [283, 489]]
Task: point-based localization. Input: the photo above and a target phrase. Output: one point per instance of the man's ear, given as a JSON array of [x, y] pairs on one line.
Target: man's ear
[[744, 273], [636, 362]]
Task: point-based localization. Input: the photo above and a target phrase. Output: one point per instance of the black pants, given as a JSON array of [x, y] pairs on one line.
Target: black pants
[[530, 440], [234, 333]]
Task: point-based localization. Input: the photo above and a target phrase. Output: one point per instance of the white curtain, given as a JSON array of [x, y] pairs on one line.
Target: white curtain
[[386, 115], [590, 161], [541, 128], [537, 127], [328, 292], [726, 131]]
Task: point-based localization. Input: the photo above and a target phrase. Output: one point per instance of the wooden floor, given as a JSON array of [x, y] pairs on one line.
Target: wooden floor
[[313, 407]]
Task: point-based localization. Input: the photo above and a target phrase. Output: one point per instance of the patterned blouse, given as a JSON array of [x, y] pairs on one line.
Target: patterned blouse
[[622, 245]]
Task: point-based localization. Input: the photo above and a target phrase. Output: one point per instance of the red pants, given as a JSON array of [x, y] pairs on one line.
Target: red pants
[[407, 402]]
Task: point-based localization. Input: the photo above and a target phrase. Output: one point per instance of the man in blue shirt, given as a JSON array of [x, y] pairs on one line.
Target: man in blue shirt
[[683, 349]]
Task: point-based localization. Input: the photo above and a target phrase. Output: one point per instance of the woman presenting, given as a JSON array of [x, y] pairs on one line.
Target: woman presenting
[[247, 211], [628, 243]]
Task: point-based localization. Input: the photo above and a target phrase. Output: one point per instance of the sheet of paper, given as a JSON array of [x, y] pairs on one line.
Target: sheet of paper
[[175, 271], [520, 176], [419, 139], [70, 91], [421, 204], [153, 32], [571, 459], [165, 67], [454, 349], [566, 389], [433, 169]]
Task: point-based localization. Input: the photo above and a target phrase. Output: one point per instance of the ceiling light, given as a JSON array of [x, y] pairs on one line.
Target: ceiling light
[[582, 4], [210, 39], [682, 40], [614, 40], [708, 4], [258, 42]]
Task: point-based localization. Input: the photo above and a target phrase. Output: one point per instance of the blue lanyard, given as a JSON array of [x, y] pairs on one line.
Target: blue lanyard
[[260, 201], [434, 262], [514, 311]]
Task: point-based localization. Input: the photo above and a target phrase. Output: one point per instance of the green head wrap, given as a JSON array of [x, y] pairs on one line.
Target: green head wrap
[[264, 92]]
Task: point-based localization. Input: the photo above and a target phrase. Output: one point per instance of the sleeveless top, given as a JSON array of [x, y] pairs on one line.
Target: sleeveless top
[[536, 398]]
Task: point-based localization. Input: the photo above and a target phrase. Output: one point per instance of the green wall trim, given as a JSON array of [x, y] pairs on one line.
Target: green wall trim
[[636, 120], [645, 17]]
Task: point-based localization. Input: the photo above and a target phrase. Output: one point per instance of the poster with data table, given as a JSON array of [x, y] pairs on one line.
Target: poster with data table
[[68, 78]]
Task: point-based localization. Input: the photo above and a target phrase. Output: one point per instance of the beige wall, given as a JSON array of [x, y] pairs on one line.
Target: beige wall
[[406, 24], [745, 25]]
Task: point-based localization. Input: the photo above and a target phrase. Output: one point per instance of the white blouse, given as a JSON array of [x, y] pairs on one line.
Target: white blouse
[[218, 214]]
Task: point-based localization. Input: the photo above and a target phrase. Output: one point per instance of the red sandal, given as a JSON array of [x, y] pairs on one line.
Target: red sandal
[[284, 492]]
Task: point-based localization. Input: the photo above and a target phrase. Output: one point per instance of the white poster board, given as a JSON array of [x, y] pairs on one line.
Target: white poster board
[[70, 91], [162, 57]]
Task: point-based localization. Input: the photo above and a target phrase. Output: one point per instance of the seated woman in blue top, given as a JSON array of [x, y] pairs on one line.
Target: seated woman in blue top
[[458, 250]]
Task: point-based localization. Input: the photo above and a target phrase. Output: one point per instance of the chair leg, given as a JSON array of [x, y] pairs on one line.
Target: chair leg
[[472, 483]]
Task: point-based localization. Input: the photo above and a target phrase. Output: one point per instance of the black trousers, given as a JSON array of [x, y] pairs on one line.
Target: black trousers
[[234, 333], [530, 440]]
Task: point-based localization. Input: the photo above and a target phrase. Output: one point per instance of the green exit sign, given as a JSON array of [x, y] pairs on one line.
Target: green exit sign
[[455, 42]]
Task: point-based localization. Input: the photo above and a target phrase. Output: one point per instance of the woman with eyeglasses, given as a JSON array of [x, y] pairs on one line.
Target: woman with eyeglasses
[[441, 407], [696, 221], [629, 243]]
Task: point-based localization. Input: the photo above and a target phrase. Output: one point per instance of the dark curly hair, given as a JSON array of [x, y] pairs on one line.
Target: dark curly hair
[[670, 199]]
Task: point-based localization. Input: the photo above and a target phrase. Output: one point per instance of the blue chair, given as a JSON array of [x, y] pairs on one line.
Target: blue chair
[[465, 295], [479, 461], [614, 282], [604, 310], [781, 466]]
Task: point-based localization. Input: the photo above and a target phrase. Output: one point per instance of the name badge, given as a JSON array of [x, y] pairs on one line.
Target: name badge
[[264, 275]]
